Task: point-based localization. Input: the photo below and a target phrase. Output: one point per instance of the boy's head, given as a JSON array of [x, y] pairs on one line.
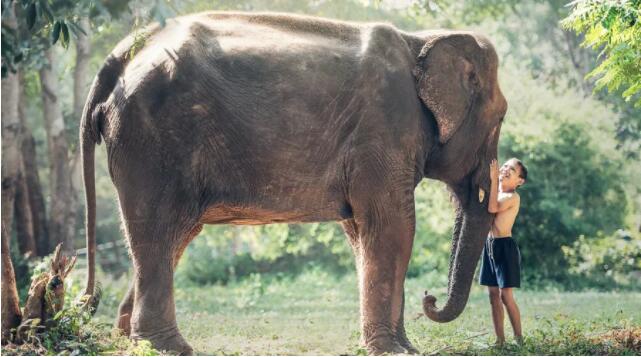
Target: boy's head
[[512, 174]]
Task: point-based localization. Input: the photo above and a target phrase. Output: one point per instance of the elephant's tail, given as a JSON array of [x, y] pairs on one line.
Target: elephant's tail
[[93, 117]]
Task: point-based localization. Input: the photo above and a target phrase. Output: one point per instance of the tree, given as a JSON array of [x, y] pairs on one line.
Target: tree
[[27, 44], [613, 26], [10, 133], [62, 212], [32, 180], [81, 81], [25, 225]]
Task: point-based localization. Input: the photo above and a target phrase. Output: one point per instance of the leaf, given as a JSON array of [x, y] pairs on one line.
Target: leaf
[[32, 14], [609, 18], [65, 35], [58, 315], [76, 29], [45, 9], [55, 34]]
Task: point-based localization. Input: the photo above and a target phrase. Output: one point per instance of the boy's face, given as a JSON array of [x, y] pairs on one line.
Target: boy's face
[[510, 176]]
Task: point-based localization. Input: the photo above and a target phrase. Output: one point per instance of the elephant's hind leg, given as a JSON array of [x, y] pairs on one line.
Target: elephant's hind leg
[[123, 321], [156, 238]]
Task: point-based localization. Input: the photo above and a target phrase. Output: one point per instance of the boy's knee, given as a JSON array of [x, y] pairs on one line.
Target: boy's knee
[[494, 294], [506, 296]]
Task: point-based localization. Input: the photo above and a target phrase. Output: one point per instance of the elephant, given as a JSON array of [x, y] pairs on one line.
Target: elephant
[[258, 118]]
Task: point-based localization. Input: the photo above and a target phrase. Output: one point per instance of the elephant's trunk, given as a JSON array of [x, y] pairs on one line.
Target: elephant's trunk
[[456, 234], [470, 229]]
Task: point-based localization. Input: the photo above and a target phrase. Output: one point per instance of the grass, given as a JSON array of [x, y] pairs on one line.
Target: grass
[[317, 314]]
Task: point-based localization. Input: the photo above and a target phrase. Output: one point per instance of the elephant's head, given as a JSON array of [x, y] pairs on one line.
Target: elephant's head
[[456, 78]]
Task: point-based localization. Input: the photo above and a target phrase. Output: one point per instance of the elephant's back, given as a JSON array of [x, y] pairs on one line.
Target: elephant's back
[[239, 70], [276, 30], [221, 35]]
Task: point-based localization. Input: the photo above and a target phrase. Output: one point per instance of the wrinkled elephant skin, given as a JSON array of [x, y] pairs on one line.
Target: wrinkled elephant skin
[[233, 118]]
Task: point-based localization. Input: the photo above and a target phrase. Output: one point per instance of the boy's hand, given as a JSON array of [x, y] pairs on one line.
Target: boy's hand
[[494, 170]]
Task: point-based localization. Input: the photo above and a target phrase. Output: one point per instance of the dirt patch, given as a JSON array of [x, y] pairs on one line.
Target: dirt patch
[[628, 338]]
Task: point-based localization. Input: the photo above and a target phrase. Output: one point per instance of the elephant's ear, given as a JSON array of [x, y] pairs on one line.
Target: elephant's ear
[[447, 80]]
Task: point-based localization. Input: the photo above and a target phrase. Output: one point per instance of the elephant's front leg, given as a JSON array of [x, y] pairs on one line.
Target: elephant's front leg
[[385, 249]]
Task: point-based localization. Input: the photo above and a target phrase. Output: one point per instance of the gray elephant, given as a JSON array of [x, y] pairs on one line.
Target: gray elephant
[[235, 118]]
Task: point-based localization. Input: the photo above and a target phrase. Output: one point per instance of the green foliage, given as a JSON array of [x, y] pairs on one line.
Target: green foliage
[[434, 224], [40, 24], [221, 254], [572, 190], [615, 27], [72, 332], [606, 260]]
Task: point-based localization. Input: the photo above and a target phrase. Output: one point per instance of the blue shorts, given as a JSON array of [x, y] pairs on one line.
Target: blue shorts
[[501, 263]]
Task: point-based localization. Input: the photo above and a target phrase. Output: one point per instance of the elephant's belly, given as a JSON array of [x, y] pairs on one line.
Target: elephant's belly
[[228, 214]]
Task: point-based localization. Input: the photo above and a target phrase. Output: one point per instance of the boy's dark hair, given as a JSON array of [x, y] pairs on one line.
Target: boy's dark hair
[[523, 173]]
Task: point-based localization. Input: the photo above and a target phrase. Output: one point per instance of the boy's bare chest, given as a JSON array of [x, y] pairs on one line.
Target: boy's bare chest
[[503, 221]]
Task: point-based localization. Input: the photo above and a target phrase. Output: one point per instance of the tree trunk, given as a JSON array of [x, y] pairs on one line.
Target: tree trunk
[[23, 212], [10, 145], [81, 82], [11, 315], [61, 211], [10, 135], [34, 189], [24, 221]]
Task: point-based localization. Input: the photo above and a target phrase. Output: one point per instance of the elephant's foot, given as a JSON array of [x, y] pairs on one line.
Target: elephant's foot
[[385, 346], [405, 343], [382, 341], [169, 340]]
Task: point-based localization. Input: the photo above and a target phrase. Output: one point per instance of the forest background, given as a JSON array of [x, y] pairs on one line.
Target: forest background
[[579, 227]]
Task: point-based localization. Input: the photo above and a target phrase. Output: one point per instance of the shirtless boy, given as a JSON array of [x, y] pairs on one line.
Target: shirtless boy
[[501, 264]]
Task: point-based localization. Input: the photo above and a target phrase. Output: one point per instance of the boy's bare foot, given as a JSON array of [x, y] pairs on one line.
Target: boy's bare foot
[[519, 340], [499, 343]]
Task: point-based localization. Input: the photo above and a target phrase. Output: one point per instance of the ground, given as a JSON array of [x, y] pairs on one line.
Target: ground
[[317, 314]]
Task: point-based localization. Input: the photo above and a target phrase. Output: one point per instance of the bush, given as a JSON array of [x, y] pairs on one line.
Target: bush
[[223, 254], [434, 225], [572, 190], [73, 331], [606, 261]]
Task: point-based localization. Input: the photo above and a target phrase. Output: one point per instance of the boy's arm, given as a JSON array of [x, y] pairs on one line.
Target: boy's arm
[[495, 205]]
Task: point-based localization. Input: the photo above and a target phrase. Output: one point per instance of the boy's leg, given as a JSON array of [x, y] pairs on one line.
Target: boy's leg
[[497, 313], [513, 312]]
